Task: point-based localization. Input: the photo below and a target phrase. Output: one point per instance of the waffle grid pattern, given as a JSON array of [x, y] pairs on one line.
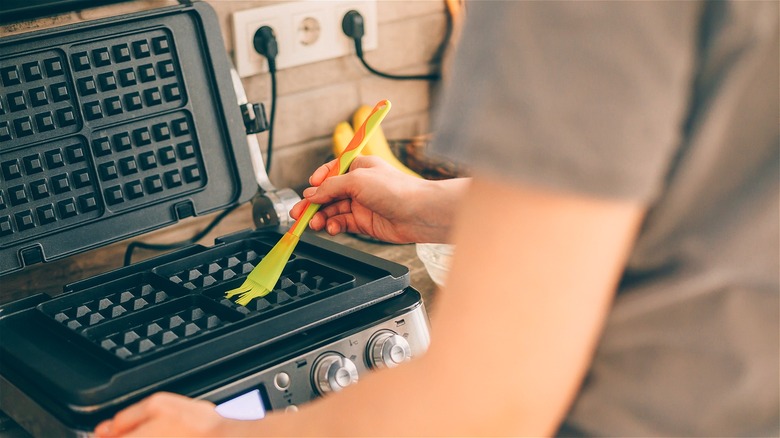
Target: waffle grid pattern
[[109, 307], [150, 312], [147, 337]]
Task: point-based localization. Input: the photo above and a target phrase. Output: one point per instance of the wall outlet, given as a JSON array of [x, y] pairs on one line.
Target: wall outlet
[[306, 31]]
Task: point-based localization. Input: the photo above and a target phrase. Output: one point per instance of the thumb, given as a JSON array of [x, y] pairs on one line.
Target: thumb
[[322, 172], [332, 189], [367, 161]]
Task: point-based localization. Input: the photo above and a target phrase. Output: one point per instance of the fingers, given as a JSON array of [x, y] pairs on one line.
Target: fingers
[[298, 208], [333, 189], [342, 223], [361, 162], [329, 191], [333, 225], [126, 420], [319, 220], [162, 414], [325, 214], [322, 172], [343, 206], [104, 429]]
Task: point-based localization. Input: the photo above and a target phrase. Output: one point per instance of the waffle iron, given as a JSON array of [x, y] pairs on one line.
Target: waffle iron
[[119, 126]]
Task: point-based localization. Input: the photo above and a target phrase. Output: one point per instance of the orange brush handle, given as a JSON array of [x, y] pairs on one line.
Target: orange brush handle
[[346, 158]]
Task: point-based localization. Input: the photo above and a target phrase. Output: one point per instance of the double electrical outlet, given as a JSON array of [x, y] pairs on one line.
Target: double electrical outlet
[[306, 31]]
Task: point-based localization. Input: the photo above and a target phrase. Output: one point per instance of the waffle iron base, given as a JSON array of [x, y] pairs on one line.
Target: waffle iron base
[[68, 362]]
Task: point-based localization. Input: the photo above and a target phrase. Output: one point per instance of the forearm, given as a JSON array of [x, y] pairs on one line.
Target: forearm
[[435, 207], [514, 330]]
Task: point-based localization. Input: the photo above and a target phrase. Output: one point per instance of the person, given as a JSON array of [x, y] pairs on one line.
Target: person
[[616, 262]]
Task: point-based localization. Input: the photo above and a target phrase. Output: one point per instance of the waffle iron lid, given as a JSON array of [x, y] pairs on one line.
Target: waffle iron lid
[[113, 128]]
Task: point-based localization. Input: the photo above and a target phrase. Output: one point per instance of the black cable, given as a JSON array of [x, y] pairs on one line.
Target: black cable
[[168, 246], [359, 52], [264, 42], [353, 27], [269, 148], [449, 30]]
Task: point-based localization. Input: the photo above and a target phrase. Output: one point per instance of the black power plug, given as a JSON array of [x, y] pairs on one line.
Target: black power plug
[[353, 26], [264, 42]]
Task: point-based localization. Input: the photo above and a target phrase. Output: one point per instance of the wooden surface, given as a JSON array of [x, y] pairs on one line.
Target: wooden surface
[[49, 278]]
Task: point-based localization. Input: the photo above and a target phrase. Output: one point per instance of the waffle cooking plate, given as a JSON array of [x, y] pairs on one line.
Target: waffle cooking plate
[[113, 128], [166, 318]]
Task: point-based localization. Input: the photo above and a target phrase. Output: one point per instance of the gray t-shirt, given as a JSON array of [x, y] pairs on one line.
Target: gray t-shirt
[[674, 104]]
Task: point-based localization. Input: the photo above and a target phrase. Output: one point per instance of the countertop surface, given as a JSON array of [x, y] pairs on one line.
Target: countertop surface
[[50, 278]]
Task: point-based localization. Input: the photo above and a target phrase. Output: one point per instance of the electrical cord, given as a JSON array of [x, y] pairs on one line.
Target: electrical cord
[[169, 246], [353, 26], [269, 149], [264, 42], [449, 30]]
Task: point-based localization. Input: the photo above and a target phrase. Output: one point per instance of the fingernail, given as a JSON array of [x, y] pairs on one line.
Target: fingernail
[[309, 192], [333, 229]]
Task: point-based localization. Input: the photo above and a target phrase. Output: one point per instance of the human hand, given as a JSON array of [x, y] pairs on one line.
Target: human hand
[[167, 414], [377, 200]]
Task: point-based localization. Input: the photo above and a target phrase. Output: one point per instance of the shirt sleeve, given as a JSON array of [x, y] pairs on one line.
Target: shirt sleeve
[[586, 97]]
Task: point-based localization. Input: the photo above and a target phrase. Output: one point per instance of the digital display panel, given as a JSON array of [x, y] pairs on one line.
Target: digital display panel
[[247, 406]]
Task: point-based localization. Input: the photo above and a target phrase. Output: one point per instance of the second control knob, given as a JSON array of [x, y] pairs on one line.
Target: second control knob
[[387, 350], [333, 372]]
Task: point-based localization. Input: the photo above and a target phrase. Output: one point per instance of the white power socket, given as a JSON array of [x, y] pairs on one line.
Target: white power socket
[[306, 31]]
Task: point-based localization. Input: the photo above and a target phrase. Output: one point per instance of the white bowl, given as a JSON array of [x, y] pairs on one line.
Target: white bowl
[[437, 258]]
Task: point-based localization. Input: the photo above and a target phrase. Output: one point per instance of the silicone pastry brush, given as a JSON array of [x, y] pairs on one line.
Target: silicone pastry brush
[[263, 278]]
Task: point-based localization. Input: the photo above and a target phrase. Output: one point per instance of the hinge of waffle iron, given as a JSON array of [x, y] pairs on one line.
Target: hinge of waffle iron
[[270, 206], [254, 117]]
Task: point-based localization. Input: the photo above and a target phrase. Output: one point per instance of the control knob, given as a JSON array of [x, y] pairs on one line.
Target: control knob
[[333, 372], [387, 350]]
